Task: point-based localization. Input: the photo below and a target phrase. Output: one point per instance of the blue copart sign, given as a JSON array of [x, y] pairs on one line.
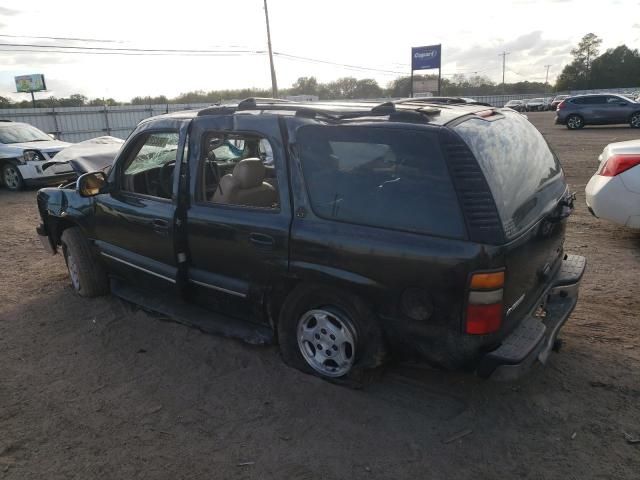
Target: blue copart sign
[[424, 58]]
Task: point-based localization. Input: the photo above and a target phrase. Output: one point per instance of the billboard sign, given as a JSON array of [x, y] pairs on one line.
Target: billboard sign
[[425, 58], [424, 87], [30, 83]]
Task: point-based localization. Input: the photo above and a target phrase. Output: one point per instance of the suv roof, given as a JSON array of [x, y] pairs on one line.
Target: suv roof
[[409, 110]]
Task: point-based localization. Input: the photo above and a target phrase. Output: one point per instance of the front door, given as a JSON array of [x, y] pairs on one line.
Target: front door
[[239, 215], [135, 220]]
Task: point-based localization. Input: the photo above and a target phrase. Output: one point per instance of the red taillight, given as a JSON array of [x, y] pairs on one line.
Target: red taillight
[[484, 305], [619, 163], [483, 319], [561, 105]]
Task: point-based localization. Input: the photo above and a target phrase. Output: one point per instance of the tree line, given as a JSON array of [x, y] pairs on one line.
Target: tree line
[[617, 67]]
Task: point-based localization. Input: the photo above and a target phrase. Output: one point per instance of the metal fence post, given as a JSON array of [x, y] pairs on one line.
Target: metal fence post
[[106, 120], [58, 133]]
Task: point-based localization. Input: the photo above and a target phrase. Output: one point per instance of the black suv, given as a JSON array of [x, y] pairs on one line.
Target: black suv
[[346, 232]]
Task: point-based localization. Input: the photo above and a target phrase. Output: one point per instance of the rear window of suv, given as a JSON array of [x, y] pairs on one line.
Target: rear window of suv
[[523, 173], [379, 176]]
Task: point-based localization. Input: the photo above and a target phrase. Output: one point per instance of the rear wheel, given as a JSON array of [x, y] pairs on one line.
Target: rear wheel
[[329, 333], [634, 122], [87, 275], [11, 177], [574, 122]]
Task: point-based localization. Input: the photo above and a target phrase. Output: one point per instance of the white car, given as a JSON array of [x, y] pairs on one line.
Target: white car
[[23, 151], [613, 193]]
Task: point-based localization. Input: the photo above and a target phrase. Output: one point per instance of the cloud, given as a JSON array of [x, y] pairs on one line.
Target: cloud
[[7, 12]]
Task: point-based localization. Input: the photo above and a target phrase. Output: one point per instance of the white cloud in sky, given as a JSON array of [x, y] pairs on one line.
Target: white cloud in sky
[[357, 32]]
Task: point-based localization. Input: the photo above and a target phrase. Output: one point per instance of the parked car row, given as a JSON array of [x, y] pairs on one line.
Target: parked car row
[[533, 104]]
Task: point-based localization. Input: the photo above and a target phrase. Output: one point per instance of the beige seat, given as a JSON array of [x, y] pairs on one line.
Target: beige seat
[[246, 186]]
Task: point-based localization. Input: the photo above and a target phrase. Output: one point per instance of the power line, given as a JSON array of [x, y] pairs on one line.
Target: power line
[[141, 54], [327, 62], [114, 49], [63, 38]]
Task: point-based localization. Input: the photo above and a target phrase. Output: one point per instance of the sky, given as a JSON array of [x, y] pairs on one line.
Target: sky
[[372, 34]]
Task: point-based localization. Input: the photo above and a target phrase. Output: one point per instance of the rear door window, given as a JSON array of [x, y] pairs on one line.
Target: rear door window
[[523, 173], [382, 177]]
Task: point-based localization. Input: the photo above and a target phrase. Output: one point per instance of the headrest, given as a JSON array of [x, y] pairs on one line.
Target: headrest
[[249, 173]]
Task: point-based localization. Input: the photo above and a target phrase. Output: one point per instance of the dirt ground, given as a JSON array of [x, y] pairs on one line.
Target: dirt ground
[[94, 389]]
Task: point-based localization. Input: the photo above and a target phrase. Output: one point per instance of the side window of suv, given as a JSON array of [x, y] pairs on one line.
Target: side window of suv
[[598, 100], [381, 177], [149, 168], [615, 101], [238, 170]]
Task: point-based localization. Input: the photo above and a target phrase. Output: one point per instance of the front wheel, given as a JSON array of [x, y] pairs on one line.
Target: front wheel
[[634, 122], [87, 275], [329, 333], [12, 178], [574, 122]]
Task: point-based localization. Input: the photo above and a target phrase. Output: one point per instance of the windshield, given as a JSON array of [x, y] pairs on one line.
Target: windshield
[[20, 133]]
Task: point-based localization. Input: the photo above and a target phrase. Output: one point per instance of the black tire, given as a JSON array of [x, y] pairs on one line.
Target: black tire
[[11, 177], [575, 122], [88, 277], [369, 349], [634, 121]]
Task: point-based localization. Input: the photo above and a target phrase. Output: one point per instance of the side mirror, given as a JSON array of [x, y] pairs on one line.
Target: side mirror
[[53, 136], [91, 184]]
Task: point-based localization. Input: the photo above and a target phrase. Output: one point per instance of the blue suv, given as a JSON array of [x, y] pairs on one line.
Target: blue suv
[[597, 109]]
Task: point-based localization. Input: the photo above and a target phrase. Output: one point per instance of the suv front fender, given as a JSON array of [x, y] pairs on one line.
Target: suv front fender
[[59, 209]]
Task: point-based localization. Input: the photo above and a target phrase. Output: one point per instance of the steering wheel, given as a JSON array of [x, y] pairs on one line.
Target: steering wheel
[[165, 184]]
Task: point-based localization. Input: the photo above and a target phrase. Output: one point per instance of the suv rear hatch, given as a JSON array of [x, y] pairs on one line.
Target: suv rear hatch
[[531, 196]]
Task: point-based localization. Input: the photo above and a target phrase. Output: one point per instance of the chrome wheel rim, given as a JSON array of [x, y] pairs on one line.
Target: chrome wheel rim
[[73, 272], [327, 342], [11, 178], [635, 121], [574, 122]]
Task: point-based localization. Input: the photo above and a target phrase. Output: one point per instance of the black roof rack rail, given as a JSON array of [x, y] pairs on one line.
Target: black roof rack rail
[[385, 108], [217, 110], [311, 111], [252, 102], [5, 120]]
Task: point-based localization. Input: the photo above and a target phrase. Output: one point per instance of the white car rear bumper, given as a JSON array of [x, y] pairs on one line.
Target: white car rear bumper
[[608, 198]]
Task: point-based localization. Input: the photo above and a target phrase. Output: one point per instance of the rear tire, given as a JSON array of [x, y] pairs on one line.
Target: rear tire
[[88, 277], [330, 334], [11, 177], [575, 122], [634, 121]]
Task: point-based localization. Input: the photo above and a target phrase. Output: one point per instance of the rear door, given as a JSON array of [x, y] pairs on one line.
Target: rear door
[[615, 109], [238, 219], [527, 183]]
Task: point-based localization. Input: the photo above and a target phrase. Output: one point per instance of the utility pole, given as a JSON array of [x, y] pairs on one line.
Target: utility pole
[[274, 82], [546, 80], [504, 65]]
